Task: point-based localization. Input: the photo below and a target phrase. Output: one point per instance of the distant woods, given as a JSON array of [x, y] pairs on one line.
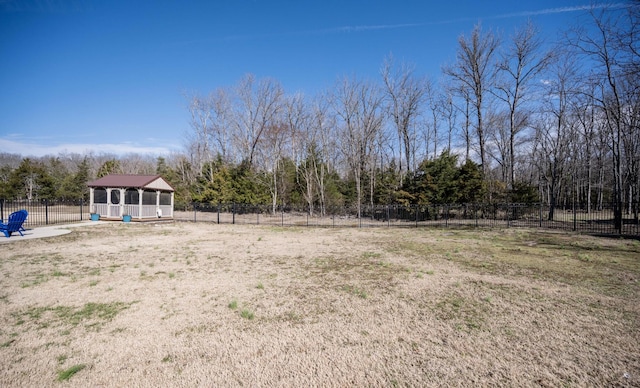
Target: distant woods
[[65, 177], [511, 118]]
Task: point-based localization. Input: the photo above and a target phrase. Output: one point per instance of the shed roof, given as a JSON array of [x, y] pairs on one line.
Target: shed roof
[[155, 182]]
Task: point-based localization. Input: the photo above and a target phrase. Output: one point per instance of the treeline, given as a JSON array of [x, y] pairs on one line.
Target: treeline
[[551, 122], [442, 180], [511, 119], [65, 177]]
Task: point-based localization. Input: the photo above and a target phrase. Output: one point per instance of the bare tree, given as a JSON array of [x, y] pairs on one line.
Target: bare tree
[[296, 118], [466, 127], [221, 108], [310, 168], [498, 141], [613, 48], [554, 131], [434, 104], [518, 67], [404, 93], [358, 106], [275, 141], [137, 164], [258, 104], [322, 140], [198, 141], [473, 72], [449, 114], [584, 110]]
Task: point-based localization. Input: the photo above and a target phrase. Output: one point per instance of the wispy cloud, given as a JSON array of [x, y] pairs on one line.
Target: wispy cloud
[[363, 28], [36, 149], [378, 27], [551, 11]]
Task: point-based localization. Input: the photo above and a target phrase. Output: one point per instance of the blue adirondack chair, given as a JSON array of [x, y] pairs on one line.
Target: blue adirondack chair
[[14, 224]]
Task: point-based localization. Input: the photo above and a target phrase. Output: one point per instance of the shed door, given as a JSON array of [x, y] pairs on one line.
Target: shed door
[[114, 208]]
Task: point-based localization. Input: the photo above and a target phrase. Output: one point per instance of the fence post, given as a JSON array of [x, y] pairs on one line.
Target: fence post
[[637, 218], [46, 212], [81, 206], [218, 213], [475, 213], [195, 217], [388, 217], [446, 215], [2, 209], [233, 213], [574, 216], [540, 218]]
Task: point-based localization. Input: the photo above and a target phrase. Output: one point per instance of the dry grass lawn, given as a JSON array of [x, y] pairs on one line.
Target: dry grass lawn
[[225, 305]]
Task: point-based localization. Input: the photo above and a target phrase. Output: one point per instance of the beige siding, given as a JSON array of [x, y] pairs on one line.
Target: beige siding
[[159, 184]]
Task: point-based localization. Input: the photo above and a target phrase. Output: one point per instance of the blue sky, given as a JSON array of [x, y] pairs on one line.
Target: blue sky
[[112, 76]]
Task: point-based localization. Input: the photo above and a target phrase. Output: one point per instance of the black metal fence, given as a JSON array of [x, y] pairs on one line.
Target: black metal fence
[[46, 212], [593, 221]]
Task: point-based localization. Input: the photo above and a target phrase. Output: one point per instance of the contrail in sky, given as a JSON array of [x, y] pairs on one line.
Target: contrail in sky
[[547, 11], [561, 10], [379, 27]]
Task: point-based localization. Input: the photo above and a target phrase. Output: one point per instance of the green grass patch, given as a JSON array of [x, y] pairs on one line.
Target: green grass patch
[[91, 314], [371, 255], [465, 312], [608, 266], [247, 314], [66, 374], [353, 290], [167, 358], [35, 280]]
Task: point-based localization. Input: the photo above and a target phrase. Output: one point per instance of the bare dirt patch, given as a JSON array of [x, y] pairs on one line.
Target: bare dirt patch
[[225, 305]]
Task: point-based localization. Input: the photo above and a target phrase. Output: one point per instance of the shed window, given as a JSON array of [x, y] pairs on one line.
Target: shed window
[[165, 198], [149, 198], [115, 197], [131, 197], [99, 195]]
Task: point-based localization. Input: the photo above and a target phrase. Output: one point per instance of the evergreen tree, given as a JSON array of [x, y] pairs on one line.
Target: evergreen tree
[[287, 187], [435, 181], [442, 181], [111, 166], [74, 186], [214, 185], [59, 174], [161, 168], [523, 192], [30, 181], [182, 190], [471, 186], [220, 183], [5, 174]]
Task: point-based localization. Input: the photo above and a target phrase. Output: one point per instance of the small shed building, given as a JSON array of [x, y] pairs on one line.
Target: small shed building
[[139, 196]]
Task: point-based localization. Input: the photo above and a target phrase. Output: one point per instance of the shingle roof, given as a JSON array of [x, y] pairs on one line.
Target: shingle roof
[[135, 181]]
